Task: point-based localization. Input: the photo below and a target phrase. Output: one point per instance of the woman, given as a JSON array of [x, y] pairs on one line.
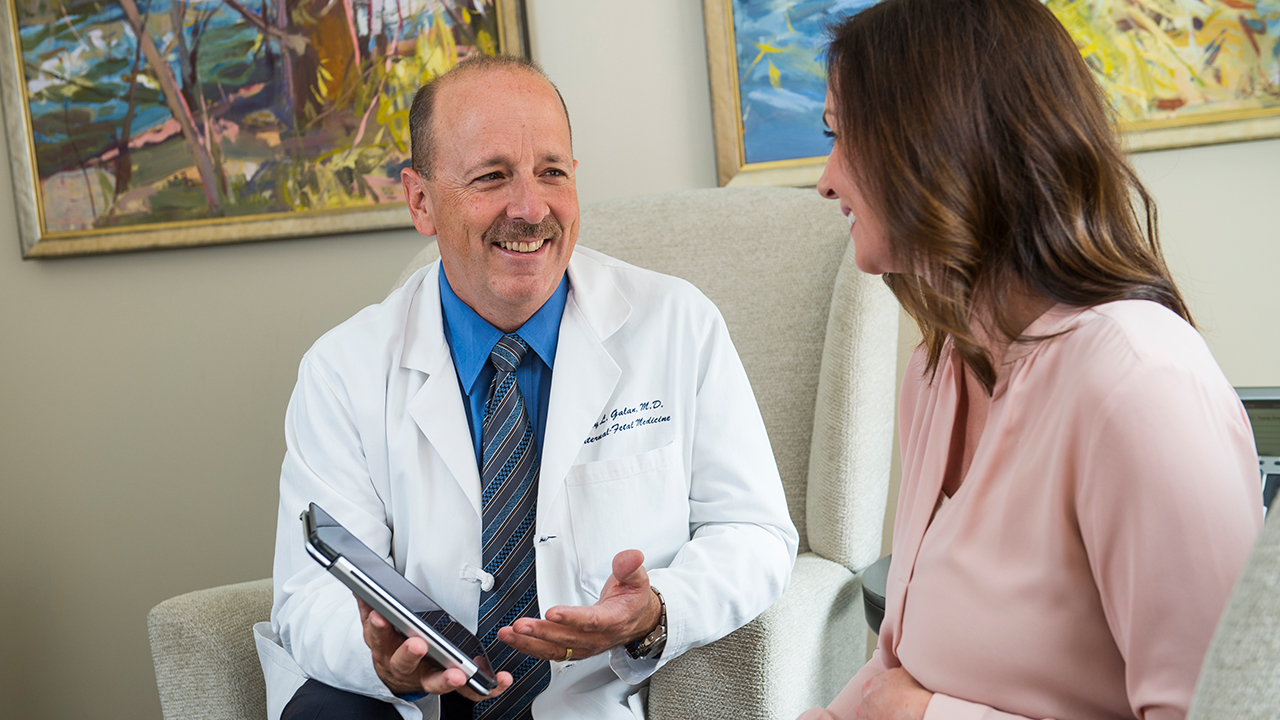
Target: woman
[[1098, 472]]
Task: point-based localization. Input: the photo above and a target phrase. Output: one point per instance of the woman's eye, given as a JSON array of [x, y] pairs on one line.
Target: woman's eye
[[828, 133]]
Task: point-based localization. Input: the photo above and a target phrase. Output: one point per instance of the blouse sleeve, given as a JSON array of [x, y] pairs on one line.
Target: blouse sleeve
[[1168, 505]]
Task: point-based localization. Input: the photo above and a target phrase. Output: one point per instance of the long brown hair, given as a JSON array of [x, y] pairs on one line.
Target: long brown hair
[[979, 135]]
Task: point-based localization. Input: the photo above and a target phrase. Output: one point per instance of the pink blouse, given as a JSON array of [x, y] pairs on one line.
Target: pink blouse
[[1079, 571]]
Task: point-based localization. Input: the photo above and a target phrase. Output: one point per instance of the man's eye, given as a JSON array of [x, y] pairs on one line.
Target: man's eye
[[557, 172]]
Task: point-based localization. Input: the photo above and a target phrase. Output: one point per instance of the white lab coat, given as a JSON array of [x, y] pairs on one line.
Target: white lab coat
[[653, 441]]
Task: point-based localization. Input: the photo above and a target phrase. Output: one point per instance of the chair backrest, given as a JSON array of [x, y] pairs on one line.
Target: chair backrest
[[817, 337], [1240, 679], [206, 662]]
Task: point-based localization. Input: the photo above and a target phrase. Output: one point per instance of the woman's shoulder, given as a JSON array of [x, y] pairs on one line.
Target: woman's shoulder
[[1131, 335], [1130, 352]]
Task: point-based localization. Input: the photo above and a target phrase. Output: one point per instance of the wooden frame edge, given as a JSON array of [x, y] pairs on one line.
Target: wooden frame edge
[[227, 233], [513, 27], [18, 129], [1214, 133], [722, 77], [787, 173]]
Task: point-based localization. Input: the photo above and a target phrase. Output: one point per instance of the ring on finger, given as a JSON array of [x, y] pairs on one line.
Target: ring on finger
[[568, 653]]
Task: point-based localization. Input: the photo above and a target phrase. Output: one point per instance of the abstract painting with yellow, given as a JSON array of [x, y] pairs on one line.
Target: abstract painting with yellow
[[1166, 63]]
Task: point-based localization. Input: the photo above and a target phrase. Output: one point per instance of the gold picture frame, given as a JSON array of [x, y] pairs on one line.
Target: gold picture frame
[[732, 168], [375, 206], [1114, 36]]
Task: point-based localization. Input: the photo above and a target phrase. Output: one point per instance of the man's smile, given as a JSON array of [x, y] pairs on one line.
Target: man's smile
[[518, 236], [521, 247]]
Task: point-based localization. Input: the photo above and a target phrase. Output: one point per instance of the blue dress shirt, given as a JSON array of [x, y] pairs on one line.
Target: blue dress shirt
[[471, 338]]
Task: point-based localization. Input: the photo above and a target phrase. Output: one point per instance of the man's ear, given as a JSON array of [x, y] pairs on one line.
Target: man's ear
[[415, 193]]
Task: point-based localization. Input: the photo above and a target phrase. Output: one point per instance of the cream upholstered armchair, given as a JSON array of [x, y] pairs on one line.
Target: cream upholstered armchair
[[818, 340]]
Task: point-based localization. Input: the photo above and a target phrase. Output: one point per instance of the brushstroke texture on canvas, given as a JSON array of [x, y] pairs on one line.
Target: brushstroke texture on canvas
[[1162, 60], [781, 80], [149, 111]]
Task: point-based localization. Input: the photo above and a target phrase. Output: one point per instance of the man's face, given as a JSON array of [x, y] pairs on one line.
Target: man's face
[[502, 201]]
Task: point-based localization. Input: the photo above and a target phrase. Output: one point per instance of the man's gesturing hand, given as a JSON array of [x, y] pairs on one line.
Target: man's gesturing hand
[[399, 662], [626, 611]]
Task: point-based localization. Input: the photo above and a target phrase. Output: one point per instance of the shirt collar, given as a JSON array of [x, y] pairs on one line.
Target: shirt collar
[[472, 338]]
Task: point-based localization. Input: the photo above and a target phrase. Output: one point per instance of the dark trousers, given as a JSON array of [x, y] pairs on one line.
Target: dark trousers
[[317, 701]]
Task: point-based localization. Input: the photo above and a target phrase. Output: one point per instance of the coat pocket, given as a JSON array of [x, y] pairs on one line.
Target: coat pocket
[[637, 502]]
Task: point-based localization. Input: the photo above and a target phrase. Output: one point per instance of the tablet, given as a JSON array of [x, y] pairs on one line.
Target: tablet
[[449, 644]]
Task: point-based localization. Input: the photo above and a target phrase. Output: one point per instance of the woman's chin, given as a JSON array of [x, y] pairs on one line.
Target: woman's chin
[[870, 265]]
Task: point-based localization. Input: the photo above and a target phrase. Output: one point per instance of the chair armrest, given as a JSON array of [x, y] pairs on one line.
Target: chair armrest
[[799, 653], [206, 661], [1240, 678]]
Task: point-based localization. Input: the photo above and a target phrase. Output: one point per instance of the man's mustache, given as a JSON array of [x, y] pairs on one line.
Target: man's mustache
[[516, 230]]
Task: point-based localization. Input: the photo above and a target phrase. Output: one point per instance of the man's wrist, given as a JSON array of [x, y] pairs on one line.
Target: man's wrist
[[651, 644], [653, 609]]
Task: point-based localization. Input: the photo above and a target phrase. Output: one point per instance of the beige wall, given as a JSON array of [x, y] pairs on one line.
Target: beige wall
[[142, 396]]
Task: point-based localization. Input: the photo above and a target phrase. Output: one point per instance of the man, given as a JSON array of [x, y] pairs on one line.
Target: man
[[532, 435]]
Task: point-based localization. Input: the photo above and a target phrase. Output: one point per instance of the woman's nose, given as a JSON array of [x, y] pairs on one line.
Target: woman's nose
[[824, 185]]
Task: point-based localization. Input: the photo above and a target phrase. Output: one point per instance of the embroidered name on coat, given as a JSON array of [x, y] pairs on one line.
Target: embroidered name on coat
[[627, 417]]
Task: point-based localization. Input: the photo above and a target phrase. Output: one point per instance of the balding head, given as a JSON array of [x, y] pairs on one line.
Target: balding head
[[498, 187], [422, 130]]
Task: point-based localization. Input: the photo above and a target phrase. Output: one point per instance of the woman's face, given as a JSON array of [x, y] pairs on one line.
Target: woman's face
[[838, 182]]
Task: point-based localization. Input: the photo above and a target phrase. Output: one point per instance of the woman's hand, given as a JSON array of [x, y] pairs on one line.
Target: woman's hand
[[893, 695]]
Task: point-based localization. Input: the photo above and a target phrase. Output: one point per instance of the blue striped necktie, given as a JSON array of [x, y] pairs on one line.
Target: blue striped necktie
[[509, 506]]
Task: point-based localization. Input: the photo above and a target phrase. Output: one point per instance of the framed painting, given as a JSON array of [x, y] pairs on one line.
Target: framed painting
[[138, 124], [1182, 72], [768, 86], [1177, 73]]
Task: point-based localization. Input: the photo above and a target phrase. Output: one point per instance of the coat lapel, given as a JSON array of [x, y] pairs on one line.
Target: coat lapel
[[437, 406], [585, 373], [583, 379]]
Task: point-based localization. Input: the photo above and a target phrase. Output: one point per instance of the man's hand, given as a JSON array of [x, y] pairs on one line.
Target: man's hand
[[627, 611], [400, 665], [893, 695]]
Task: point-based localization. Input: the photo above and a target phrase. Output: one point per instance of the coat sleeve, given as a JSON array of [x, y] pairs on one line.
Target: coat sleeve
[[314, 615], [743, 544]]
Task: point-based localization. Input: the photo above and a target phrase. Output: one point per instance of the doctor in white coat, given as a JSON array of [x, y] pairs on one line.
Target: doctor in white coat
[[653, 441]]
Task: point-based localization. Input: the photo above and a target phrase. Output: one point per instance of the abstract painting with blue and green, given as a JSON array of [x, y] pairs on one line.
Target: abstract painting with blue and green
[[781, 79], [1158, 62]]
